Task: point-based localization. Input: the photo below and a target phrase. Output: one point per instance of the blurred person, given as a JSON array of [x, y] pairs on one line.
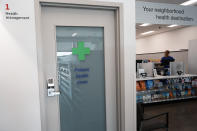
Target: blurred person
[[165, 61]]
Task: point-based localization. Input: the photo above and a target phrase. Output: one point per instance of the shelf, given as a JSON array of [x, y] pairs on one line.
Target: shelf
[[165, 77], [151, 91], [168, 100]]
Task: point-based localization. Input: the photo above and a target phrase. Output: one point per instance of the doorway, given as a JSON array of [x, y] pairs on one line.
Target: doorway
[[79, 56]]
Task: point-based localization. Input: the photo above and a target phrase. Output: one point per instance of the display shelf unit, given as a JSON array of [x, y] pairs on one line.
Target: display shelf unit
[[165, 77], [172, 99], [178, 91], [151, 91]]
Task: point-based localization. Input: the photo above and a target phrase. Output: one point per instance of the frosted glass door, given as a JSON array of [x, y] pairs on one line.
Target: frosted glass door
[[81, 78]]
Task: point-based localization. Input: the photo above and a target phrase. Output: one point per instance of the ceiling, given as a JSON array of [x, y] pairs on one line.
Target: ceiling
[[157, 28]]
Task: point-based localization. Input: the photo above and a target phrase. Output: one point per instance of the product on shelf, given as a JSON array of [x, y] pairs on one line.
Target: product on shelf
[[171, 94], [194, 83], [192, 92], [187, 80], [165, 95], [178, 93], [139, 98], [158, 84], [160, 90], [149, 84], [182, 93], [174, 94], [143, 85], [147, 98], [138, 88], [189, 92]]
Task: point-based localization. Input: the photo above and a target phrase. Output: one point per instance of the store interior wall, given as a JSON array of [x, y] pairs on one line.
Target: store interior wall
[[19, 95], [175, 40], [192, 56]]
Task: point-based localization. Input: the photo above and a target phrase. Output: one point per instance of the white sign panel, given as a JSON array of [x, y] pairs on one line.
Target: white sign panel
[[157, 13]]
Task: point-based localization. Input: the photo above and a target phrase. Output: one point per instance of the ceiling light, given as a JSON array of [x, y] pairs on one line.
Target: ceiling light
[[145, 24], [74, 34], [64, 53], [146, 33], [189, 2], [171, 26]]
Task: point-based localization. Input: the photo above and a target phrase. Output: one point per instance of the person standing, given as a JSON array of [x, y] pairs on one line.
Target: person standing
[[165, 61]]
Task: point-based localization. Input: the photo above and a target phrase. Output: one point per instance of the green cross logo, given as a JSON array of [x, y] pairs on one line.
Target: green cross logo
[[81, 51]]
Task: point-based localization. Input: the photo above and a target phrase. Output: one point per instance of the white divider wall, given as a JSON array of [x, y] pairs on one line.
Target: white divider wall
[[192, 55], [19, 95]]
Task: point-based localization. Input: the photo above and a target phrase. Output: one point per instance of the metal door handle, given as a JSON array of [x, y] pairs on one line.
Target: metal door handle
[[51, 88], [52, 92]]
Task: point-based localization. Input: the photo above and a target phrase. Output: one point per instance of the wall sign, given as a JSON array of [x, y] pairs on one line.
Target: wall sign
[[7, 7], [10, 13], [82, 75], [157, 13], [81, 51]]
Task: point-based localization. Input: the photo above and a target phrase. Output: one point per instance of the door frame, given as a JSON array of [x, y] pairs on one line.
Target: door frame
[[87, 4]]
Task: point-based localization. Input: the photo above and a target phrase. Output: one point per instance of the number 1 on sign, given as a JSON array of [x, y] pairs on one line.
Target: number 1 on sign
[[7, 7]]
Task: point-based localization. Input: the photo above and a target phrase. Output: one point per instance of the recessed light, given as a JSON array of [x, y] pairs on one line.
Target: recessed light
[[148, 32], [74, 34], [171, 26], [145, 24], [64, 53], [189, 2]]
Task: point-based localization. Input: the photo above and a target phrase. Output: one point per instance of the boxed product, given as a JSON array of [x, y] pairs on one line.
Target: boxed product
[[138, 88], [139, 99], [165, 95], [182, 93], [174, 94], [193, 92], [189, 92], [178, 93], [194, 83], [186, 92], [158, 84], [187, 80], [154, 97], [176, 86], [143, 85], [147, 98], [189, 87], [171, 94], [149, 84]]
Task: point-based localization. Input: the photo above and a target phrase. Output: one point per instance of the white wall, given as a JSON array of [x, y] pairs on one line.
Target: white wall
[[19, 92], [192, 61], [173, 41], [19, 95]]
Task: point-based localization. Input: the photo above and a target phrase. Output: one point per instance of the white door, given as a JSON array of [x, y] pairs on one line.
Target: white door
[[78, 50]]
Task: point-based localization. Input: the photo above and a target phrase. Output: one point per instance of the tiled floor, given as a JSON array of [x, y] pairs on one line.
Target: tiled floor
[[182, 115]]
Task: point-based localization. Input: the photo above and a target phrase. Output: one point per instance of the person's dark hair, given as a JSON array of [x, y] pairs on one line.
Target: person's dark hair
[[167, 52]]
